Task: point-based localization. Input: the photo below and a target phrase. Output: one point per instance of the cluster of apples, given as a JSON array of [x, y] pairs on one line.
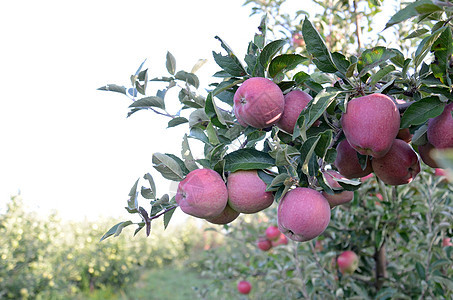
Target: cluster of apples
[[272, 238], [371, 125]]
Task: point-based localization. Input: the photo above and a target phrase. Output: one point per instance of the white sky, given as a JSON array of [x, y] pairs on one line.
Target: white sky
[[69, 147], [66, 145]]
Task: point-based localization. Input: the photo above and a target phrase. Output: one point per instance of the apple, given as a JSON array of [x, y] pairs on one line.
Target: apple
[[337, 198], [446, 242], [258, 102], [247, 192], [399, 166], [318, 245], [272, 233], [244, 287], [405, 135], [371, 124], [365, 178], [228, 215], [295, 103], [202, 194], [440, 129], [303, 214], [298, 40], [425, 155], [264, 244], [348, 262], [347, 162], [282, 240]]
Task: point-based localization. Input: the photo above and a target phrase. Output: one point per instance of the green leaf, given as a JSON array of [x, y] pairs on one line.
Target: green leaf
[[318, 105], [212, 134], [187, 156], [425, 46], [170, 63], [416, 33], [213, 112], [443, 50], [277, 182], [167, 166], [176, 121], [374, 79], [420, 270], [189, 78], [269, 51], [284, 63], [324, 143], [152, 185], [116, 230], [198, 118], [301, 77], [306, 152], [341, 62], [406, 13], [230, 63], [151, 101], [199, 134], [419, 112], [248, 159], [167, 217], [132, 203], [371, 58], [317, 48], [113, 88]]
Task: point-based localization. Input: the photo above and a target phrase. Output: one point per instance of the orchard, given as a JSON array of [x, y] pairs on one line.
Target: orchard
[[326, 155]]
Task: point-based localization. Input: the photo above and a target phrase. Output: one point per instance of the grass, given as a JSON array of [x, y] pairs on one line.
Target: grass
[[169, 283]]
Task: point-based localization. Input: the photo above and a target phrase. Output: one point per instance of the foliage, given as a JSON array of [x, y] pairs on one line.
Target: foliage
[[411, 221], [334, 65], [50, 258]]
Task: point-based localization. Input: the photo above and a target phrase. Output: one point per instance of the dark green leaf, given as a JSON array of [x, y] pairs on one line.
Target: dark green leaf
[[212, 111], [177, 121], [229, 63], [375, 78], [113, 88], [371, 58], [307, 151], [416, 33], [419, 112], [167, 166], [425, 45], [324, 143], [167, 217], [269, 51], [171, 63], [151, 101], [187, 156], [301, 77], [420, 270], [132, 203], [317, 48], [406, 13], [116, 230], [152, 185], [248, 159], [284, 63], [189, 78]]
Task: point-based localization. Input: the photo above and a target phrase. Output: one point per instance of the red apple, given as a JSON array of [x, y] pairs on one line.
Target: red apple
[[340, 198], [202, 194], [272, 233], [298, 40], [399, 166], [347, 162], [425, 155], [440, 129], [303, 214], [244, 287], [264, 244], [446, 242], [295, 103], [405, 135], [348, 262], [282, 240], [371, 124], [247, 192], [258, 102], [228, 215]]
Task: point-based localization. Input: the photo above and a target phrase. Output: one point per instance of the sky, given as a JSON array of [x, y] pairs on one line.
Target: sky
[[67, 146]]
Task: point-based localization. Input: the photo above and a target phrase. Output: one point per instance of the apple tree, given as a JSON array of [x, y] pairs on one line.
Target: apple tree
[[332, 135]]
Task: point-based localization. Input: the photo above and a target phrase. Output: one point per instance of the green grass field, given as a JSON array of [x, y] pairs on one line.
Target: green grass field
[[170, 283]]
